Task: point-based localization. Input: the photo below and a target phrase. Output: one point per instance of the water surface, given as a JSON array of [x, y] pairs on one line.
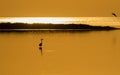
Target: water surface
[[64, 53]]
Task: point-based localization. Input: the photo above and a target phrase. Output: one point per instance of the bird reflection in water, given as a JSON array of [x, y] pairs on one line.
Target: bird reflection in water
[[40, 46]]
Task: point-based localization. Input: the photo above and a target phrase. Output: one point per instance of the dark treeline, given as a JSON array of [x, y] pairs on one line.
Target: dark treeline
[[52, 26]]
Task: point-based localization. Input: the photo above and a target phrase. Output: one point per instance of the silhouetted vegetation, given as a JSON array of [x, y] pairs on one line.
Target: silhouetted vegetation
[[52, 26]]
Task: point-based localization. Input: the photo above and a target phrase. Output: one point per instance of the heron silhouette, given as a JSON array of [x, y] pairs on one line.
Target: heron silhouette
[[41, 43], [40, 46], [114, 14]]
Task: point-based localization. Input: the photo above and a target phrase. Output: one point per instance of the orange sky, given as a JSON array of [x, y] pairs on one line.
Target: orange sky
[[58, 8]]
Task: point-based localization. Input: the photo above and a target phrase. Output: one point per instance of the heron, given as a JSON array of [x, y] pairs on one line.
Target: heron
[[114, 14], [40, 43]]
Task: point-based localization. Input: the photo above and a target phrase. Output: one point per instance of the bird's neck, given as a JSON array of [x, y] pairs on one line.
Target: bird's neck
[[41, 41]]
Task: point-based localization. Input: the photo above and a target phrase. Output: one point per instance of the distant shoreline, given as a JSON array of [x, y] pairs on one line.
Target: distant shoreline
[[38, 26]]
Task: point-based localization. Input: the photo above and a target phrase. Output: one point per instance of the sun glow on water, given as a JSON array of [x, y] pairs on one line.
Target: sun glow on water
[[30, 20], [95, 21]]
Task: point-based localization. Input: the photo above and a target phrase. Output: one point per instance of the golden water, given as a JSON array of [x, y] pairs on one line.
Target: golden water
[[64, 53]]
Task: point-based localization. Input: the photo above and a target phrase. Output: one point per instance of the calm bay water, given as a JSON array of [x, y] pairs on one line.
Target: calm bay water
[[63, 53]]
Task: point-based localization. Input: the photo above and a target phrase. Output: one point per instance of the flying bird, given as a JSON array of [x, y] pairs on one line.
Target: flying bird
[[114, 14]]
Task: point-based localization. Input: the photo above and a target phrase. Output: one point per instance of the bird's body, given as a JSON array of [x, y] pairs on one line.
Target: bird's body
[[114, 14], [40, 44]]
